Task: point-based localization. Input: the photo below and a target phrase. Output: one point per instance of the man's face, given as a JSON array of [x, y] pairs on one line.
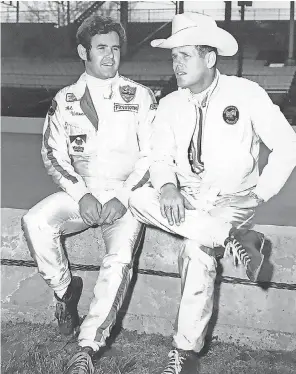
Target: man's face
[[104, 56], [189, 67]]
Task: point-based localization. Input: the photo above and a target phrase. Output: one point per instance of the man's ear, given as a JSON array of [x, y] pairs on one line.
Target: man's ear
[[82, 52], [211, 59]]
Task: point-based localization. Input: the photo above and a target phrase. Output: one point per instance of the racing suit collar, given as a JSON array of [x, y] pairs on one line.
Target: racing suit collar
[[202, 98], [101, 82]]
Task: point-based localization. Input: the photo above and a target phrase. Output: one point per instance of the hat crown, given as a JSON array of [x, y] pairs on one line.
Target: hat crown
[[187, 20]]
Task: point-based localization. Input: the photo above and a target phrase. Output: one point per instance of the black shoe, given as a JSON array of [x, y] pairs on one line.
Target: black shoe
[[66, 308], [81, 362], [181, 362], [247, 247]]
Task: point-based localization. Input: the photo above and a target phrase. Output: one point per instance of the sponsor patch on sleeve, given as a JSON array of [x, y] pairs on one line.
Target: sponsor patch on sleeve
[[53, 107], [70, 97], [126, 107]]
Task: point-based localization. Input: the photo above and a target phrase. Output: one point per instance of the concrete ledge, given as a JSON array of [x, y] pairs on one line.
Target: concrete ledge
[[243, 313]]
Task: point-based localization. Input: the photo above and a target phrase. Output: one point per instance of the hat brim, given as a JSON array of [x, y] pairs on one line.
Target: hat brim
[[224, 42]]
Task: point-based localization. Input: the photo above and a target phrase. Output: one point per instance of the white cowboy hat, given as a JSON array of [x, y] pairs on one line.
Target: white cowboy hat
[[198, 29]]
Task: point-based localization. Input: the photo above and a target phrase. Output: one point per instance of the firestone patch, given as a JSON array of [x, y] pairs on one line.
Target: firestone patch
[[126, 107]]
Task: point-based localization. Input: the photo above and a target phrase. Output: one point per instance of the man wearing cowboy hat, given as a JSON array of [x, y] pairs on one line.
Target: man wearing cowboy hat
[[204, 171]]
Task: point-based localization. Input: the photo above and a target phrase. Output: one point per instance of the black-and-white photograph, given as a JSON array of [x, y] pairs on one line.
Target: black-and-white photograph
[[148, 187]]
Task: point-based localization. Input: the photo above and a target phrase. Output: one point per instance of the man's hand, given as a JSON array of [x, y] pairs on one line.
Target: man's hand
[[90, 209], [237, 201], [112, 211], [173, 204]]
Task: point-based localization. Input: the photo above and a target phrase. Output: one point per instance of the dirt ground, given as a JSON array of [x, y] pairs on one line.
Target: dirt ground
[[35, 349]]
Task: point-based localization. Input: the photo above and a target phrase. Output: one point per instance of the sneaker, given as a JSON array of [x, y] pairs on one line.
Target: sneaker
[[246, 247], [81, 362], [66, 308], [181, 362]]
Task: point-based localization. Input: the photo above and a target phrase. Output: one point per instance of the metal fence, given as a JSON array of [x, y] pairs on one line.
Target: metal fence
[[56, 16]]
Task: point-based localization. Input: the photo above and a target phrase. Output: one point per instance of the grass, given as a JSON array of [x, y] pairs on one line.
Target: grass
[[39, 349]]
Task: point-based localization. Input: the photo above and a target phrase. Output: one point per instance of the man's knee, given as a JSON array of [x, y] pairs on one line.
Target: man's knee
[[141, 198], [28, 222]]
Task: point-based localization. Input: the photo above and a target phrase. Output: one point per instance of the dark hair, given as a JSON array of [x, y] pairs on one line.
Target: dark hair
[[204, 49], [94, 25]]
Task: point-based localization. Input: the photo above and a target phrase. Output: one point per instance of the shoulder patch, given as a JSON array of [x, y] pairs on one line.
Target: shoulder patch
[[53, 107], [70, 97], [153, 106]]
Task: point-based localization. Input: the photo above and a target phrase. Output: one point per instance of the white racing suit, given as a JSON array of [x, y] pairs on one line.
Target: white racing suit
[[226, 128], [94, 141]]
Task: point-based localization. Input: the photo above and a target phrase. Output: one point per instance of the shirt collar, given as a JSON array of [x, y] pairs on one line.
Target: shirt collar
[[201, 98]]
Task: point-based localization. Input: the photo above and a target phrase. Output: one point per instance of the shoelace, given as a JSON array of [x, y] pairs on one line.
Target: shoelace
[[234, 248], [80, 363], [175, 363]]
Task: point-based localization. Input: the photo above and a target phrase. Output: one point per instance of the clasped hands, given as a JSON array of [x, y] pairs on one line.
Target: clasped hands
[[173, 205], [93, 213]]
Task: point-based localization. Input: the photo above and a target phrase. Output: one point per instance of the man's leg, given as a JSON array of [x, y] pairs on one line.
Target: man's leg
[[210, 231], [197, 267], [122, 239], [207, 230], [198, 273], [43, 226]]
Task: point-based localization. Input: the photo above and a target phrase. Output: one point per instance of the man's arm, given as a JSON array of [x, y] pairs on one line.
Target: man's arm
[[58, 164], [277, 134], [162, 170]]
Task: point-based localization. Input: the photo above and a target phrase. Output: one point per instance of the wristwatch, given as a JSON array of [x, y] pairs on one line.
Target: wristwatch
[[258, 199]]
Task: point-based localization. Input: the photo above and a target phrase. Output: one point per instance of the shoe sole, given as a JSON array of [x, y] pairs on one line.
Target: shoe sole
[[257, 273]]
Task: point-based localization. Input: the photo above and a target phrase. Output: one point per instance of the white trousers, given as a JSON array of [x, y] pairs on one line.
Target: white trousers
[[197, 269], [59, 215]]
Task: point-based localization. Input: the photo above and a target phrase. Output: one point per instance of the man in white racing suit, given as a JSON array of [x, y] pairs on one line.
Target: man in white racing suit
[[96, 147], [204, 171]]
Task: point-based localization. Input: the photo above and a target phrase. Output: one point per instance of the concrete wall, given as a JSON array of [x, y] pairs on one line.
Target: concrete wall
[[243, 312]]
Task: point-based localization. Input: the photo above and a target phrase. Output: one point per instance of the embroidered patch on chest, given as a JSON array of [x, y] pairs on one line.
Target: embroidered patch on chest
[[126, 107], [78, 142], [231, 115], [127, 93], [70, 97]]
